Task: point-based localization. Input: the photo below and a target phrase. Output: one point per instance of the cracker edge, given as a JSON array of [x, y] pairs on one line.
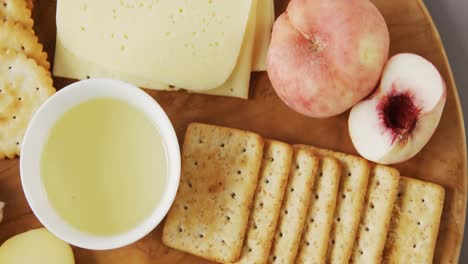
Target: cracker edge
[[380, 242], [340, 157], [42, 59], [440, 189], [296, 244], [283, 185], [242, 237], [329, 221], [46, 78]]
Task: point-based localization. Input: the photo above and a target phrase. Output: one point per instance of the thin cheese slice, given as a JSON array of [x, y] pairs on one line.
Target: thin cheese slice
[[190, 44], [69, 65], [264, 25], [238, 83]]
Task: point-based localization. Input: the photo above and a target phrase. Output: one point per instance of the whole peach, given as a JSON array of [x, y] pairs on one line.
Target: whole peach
[[327, 55]]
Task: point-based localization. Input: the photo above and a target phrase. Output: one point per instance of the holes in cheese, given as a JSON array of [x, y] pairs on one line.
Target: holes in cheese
[[69, 65], [237, 85], [192, 44]]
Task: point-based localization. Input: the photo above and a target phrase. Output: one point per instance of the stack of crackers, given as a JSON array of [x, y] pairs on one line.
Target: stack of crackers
[[25, 80], [243, 199]]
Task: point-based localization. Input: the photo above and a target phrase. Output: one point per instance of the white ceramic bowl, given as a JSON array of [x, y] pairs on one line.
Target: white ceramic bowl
[[37, 135]]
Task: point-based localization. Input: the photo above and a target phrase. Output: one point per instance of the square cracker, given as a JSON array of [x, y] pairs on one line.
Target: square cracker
[[375, 220], [415, 222], [316, 234], [277, 157], [350, 203], [220, 168], [294, 208]]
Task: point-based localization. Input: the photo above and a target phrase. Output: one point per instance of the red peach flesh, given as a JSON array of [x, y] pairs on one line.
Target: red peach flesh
[[399, 114]]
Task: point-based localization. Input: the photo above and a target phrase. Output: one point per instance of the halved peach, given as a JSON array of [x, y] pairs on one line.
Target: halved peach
[[397, 121]]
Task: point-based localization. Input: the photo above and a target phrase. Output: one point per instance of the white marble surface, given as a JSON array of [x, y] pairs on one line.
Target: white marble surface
[[451, 17]]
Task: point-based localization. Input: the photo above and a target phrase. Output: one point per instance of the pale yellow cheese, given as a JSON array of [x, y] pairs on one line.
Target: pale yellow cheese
[[71, 66], [238, 83], [36, 246], [191, 44], [264, 25]]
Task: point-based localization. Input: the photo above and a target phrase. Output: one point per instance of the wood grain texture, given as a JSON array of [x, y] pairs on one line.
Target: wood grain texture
[[442, 161]]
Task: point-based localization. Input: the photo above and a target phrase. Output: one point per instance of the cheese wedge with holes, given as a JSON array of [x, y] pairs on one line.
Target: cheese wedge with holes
[[69, 65], [190, 44], [263, 27], [237, 85]]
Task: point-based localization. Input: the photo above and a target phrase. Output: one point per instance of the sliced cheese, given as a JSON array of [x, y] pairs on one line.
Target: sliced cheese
[[264, 25], [36, 246], [192, 44], [238, 83], [72, 66], [69, 65]]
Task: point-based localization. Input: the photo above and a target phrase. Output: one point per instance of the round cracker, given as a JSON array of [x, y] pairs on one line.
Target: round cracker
[[16, 11], [24, 86], [16, 37]]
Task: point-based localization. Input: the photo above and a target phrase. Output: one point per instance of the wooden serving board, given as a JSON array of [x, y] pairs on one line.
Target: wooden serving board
[[442, 161]]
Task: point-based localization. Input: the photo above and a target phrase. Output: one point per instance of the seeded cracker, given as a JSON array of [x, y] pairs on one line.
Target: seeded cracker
[[294, 208], [375, 221], [318, 224], [350, 203], [415, 222], [220, 168], [277, 157], [16, 37], [24, 86], [16, 11]]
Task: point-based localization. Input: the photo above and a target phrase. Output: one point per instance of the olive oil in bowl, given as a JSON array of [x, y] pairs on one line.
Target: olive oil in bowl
[[104, 166]]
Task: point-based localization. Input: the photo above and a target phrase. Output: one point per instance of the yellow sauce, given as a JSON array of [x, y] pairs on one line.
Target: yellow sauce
[[104, 167]]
